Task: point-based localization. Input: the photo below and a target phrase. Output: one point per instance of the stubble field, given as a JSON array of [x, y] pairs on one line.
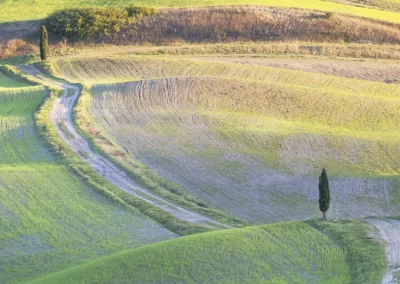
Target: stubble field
[[248, 139]]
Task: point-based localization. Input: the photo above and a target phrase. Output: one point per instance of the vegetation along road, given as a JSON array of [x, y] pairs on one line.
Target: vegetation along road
[[61, 117], [389, 231]]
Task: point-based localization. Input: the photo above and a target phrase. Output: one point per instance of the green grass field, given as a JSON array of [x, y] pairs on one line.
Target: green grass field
[[280, 253], [7, 82], [391, 5], [49, 219], [22, 10]]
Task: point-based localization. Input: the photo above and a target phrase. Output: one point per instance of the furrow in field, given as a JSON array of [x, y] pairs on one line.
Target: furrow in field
[[122, 68], [62, 115], [219, 139], [369, 70]]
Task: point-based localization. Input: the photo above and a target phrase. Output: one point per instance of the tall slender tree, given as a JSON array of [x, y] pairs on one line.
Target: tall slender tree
[[44, 43], [324, 193]]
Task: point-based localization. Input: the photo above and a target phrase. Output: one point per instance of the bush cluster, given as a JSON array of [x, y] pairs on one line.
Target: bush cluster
[[16, 47], [89, 23], [137, 12]]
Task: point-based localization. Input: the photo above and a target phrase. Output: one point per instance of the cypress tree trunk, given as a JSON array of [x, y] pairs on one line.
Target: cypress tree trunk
[[44, 43], [324, 193]]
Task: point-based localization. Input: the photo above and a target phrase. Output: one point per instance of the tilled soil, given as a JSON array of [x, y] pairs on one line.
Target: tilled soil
[[370, 70], [62, 115], [161, 125]]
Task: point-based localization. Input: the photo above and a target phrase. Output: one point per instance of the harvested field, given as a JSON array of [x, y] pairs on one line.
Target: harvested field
[[128, 68], [254, 147], [369, 70], [267, 49]]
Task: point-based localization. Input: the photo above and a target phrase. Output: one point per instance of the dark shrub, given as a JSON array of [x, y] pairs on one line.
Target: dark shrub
[[329, 16], [87, 23], [137, 12]]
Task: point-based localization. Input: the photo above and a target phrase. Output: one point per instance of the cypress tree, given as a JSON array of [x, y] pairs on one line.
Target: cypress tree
[[324, 193], [44, 43]]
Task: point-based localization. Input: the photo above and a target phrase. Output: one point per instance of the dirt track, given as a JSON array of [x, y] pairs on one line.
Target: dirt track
[[389, 232], [61, 116]]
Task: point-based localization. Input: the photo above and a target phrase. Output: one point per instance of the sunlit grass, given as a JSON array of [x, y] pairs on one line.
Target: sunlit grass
[[280, 253], [49, 218], [23, 10], [7, 82]]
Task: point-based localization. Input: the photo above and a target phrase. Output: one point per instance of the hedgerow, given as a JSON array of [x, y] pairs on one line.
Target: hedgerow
[[88, 23]]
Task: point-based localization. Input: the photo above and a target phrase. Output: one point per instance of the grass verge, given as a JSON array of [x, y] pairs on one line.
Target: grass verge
[[364, 255], [293, 252], [66, 156], [138, 171]]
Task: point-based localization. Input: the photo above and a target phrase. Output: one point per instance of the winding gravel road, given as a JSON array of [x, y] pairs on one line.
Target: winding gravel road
[[389, 232], [61, 116]]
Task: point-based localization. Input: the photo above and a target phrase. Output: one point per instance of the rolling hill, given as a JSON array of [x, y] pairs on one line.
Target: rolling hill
[[281, 253], [248, 139], [187, 147], [49, 218]]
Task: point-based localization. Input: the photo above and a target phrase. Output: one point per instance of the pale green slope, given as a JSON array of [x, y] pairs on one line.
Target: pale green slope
[[279, 253], [49, 219]]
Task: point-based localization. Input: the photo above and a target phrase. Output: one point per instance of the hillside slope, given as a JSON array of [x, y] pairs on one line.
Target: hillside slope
[[49, 218], [248, 139], [280, 253]]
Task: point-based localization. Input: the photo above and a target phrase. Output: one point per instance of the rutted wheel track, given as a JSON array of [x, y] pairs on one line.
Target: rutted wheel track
[[61, 116], [389, 232]]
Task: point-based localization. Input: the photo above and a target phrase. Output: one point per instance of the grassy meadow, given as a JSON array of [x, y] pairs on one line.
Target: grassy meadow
[[7, 82], [50, 219], [22, 11], [268, 254]]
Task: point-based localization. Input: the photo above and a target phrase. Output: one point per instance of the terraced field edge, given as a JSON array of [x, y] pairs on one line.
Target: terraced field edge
[[66, 156], [159, 185]]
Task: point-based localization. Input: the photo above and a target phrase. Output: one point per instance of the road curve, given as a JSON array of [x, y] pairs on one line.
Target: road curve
[[389, 233], [61, 116]]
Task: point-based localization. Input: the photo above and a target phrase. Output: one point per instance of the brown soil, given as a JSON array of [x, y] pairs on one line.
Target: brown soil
[[371, 70]]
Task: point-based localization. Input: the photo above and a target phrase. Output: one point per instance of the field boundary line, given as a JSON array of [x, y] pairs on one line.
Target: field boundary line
[[62, 113]]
